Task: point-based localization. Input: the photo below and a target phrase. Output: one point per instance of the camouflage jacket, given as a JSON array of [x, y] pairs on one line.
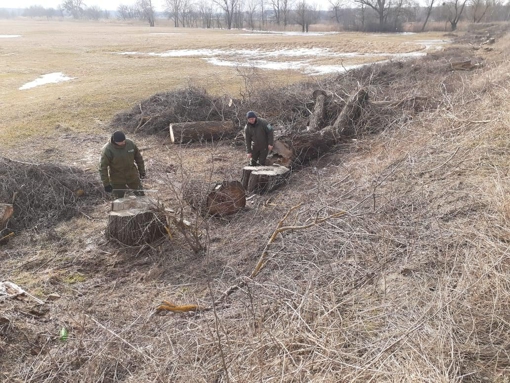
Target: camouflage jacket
[[117, 164]]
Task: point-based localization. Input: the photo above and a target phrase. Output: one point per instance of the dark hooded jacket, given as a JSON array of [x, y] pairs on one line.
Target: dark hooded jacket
[[117, 164], [260, 134]]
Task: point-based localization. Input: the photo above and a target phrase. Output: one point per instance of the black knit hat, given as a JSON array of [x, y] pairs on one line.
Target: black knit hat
[[118, 136], [251, 114]]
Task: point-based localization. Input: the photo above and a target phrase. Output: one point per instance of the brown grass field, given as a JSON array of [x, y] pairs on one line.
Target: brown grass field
[[411, 284]]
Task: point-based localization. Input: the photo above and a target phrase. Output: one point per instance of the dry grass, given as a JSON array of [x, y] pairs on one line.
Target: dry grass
[[412, 285], [107, 83]]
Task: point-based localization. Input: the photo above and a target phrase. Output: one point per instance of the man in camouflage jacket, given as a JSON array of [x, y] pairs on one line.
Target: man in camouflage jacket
[[117, 168], [259, 137]]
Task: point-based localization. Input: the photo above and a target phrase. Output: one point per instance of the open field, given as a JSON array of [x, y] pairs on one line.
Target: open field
[[405, 279], [105, 82]]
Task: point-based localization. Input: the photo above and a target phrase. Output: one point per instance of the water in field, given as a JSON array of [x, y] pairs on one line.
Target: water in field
[[300, 59], [51, 78]]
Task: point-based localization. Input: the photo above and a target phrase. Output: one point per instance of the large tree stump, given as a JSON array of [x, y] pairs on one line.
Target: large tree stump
[[219, 199], [264, 179], [185, 132], [135, 221]]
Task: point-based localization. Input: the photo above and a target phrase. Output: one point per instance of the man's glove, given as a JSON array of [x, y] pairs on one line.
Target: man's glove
[[108, 188], [142, 176]]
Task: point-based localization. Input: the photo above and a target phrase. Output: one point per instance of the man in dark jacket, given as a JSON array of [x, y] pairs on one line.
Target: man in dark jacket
[[259, 137], [117, 168]]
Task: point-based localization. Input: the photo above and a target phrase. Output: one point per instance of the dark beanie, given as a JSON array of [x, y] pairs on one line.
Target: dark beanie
[[251, 114], [118, 136]]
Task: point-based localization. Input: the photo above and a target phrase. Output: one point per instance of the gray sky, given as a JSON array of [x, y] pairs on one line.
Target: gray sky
[[103, 4]]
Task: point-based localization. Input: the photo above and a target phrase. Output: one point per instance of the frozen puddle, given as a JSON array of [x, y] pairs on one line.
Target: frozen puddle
[[276, 33], [258, 58], [51, 78], [9, 36]]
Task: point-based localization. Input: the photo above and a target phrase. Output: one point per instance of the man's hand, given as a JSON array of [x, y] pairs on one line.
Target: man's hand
[[270, 147], [108, 188], [248, 155], [142, 176]]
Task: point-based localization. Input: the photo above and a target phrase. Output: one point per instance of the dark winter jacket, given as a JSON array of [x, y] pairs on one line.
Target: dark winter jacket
[[118, 163], [258, 136]]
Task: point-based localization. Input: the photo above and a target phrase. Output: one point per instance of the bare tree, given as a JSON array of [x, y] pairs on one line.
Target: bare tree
[[336, 7], [430, 6], [146, 11], [251, 11], [454, 10], [262, 13], [479, 9], [126, 12], [205, 11], [228, 7], [305, 15], [74, 7], [381, 7], [173, 9]]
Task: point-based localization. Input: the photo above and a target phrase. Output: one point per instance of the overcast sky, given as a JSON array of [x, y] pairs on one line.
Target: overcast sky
[[103, 4]]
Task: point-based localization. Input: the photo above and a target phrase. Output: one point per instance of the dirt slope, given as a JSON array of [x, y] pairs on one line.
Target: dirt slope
[[411, 284]]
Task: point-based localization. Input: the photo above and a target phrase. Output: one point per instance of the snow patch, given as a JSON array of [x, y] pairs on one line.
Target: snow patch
[[51, 78], [9, 36]]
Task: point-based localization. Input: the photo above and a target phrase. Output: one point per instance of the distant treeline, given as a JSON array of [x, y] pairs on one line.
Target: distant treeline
[[359, 15]]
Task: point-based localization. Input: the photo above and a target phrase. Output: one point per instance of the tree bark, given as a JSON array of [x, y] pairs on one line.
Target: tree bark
[[319, 111], [185, 132], [135, 221], [264, 179], [344, 124], [217, 199]]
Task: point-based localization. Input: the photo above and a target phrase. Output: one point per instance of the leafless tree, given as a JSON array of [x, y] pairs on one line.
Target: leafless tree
[[305, 15], [454, 11], [74, 7], [336, 8], [263, 12], [146, 11], [126, 12], [251, 11], [228, 7], [381, 7], [205, 11], [479, 9], [173, 10], [430, 6]]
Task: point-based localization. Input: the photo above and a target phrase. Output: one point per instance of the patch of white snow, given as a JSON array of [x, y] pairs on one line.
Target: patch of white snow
[[51, 78]]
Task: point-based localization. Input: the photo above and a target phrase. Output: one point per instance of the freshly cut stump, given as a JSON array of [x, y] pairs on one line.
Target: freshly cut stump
[[220, 199], [185, 132], [135, 221], [263, 179]]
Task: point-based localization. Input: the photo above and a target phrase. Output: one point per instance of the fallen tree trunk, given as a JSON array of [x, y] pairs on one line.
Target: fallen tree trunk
[[319, 111], [299, 148], [185, 132], [344, 124], [135, 221], [219, 199], [263, 179]]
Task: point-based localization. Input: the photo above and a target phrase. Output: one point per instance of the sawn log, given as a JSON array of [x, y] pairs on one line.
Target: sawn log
[[218, 199], [185, 132]]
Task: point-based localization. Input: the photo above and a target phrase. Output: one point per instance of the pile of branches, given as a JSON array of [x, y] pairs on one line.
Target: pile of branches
[[154, 115], [45, 194], [290, 107]]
